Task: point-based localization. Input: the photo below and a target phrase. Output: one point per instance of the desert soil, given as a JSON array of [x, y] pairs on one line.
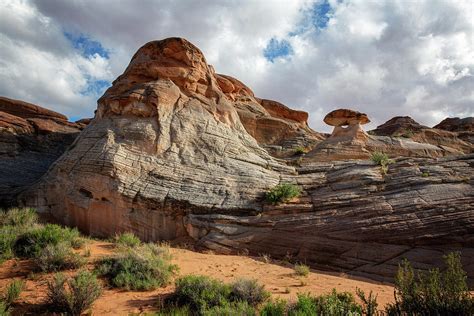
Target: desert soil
[[278, 278]]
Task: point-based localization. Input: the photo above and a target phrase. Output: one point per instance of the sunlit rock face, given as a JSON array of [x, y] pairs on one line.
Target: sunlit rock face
[[165, 141]]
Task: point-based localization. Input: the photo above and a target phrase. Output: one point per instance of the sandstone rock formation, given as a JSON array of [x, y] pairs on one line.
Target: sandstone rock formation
[[456, 124], [400, 136], [275, 126], [353, 219], [452, 138], [177, 151], [31, 139], [165, 141]]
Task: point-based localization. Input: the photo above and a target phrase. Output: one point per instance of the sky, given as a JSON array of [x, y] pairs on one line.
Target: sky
[[383, 58]]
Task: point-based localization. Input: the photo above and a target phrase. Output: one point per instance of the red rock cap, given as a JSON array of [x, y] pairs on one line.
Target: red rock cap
[[341, 117]]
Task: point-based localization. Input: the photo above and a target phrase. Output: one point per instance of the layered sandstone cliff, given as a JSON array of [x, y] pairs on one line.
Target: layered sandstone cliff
[[178, 151], [31, 139]]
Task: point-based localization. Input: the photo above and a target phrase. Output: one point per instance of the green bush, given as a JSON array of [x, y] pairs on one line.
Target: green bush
[[381, 159], [18, 217], [127, 240], [30, 244], [58, 257], [274, 308], [75, 295], [301, 269], [300, 151], [433, 293], [12, 293], [231, 309], [201, 293], [143, 268], [282, 193], [248, 291], [369, 304], [8, 236], [174, 311], [13, 223]]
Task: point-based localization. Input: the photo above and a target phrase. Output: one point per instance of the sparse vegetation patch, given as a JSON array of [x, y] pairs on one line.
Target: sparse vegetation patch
[[142, 268], [75, 295], [283, 193]]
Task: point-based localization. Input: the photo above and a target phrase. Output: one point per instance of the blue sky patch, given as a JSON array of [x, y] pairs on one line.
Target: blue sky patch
[[319, 14], [87, 46], [96, 87], [277, 48]]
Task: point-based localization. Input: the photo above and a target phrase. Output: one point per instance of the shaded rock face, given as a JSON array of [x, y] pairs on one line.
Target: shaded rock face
[[177, 151], [31, 139], [456, 124]]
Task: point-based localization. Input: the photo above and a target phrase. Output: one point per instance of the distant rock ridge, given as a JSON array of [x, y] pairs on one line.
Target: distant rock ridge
[[176, 151]]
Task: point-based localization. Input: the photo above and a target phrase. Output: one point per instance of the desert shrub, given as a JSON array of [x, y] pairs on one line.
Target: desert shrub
[[239, 308], [174, 310], [276, 307], [381, 159], [12, 293], [8, 236], [127, 240], [201, 292], [301, 269], [283, 192], [300, 150], [433, 293], [30, 244], [248, 291], [13, 223], [425, 174], [75, 295], [18, 217], [334, 303], [58, 257], [143, 268], [369, 303]]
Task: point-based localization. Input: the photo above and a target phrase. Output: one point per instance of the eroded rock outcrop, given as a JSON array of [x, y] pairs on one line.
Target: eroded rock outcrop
[[352, 218], [349, 140], [176, 150], [452, 136], [166, 141], [31, 139]]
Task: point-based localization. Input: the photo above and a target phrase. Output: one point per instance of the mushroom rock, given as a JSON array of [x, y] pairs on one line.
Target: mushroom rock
[[347, 124], [349, 141]]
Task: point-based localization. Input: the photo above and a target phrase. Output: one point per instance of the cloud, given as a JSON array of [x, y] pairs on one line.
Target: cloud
[[384, 58]]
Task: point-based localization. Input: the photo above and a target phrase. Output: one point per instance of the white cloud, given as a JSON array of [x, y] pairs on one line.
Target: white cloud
[[384, 58]]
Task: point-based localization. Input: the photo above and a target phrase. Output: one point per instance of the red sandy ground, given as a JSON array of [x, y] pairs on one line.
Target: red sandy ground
[[279, 279]]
